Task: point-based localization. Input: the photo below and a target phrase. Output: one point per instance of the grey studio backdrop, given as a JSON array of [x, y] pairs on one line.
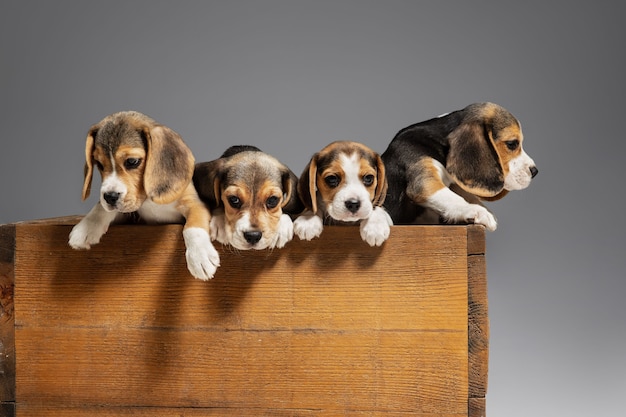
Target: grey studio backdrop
[[292, 76]]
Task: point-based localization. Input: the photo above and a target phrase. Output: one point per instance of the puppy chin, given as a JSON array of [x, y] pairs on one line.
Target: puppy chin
[[517, 181]]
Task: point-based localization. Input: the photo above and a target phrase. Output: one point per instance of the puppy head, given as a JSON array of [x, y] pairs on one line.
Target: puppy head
[[254, 189], [137, 159], [347, 179], [486, 157]]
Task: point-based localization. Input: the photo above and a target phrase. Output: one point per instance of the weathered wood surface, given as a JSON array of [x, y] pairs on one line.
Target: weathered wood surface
[[327, 327]]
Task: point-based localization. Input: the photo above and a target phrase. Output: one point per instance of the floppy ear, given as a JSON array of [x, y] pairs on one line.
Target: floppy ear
[[207, 180], [307, 185], [381, 182], [473, 161], [291, 201], [169, 164], [88, 170]]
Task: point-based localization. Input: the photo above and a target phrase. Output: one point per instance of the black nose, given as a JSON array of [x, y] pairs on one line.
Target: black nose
[[111, 197], [353, 205], [252, 237], [533, 172]]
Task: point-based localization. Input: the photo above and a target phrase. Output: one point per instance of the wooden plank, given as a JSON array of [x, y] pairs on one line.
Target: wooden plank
[[52, 411], [477, 407], [412, 372], [312, 284], [476, 239], [7, 319], [478, 326]]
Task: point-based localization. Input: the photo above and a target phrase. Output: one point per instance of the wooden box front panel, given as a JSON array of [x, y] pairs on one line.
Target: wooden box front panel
[[327, 327]]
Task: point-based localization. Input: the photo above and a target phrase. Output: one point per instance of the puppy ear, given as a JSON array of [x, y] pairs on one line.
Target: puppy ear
[[381, 182], [307, 186], [291, 201], [473, 161], [169, 164], [207, 180], [88, 170]]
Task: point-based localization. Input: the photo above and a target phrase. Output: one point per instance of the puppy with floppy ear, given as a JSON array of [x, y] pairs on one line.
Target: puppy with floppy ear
[[443, 167], [344, 183], [251, 196], [146, 171]]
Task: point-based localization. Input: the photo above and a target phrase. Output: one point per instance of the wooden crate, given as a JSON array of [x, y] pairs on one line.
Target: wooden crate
[[322, 328]]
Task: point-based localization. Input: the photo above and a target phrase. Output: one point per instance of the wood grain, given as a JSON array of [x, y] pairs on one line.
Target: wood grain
[[327, 327]]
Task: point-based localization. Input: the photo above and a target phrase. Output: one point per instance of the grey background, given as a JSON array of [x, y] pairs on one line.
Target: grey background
[[292, 76]]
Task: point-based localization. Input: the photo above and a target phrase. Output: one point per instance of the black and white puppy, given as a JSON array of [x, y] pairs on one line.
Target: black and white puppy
[[251, 196], [442, 168]]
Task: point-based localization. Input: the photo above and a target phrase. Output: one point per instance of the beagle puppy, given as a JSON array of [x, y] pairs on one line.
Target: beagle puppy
[[146, 171], [251, 196], [344, 183], [441, 169]]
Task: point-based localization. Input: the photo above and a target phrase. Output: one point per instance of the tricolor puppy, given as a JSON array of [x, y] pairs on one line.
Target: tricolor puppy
[[146, 171], [251, 196], [441, 169], [344, 183]]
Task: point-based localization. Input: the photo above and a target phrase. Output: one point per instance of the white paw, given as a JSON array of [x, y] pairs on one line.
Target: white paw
[[285, 231], [477, 214], [217, 227], [376, 228], [86, 233], [484, 217], [308, 226], [202, 258]]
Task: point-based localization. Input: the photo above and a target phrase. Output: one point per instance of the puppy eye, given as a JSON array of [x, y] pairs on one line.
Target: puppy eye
[[332, 181], [234, 201], [99, 165], [368, 180], [512, 144], [132, 163], [272, 202]]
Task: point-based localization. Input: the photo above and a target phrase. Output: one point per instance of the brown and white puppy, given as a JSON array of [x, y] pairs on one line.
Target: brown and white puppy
[[445, 166], [251, 196], [344, 183], [146, 171]]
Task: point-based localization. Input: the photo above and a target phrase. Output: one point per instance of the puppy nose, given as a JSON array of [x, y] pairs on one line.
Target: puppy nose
[[353, 205], [111, 197], [533, 171], [252, 237]]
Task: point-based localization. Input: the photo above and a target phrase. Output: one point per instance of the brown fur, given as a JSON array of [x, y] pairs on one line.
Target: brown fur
[[325, 162]]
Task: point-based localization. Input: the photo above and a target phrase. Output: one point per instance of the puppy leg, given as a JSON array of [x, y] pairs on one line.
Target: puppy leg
[[454, 208], [92, 227], [285, 231], [308, 225], [217, 226], [202, 258], [426, 187], [375, 229]]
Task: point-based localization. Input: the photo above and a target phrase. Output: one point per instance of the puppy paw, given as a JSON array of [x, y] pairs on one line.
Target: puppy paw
[[86, 233], [477, 214], [376, 228], [217, 228], [484, 217], [285, 231], [202, 258], [308, 226]]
